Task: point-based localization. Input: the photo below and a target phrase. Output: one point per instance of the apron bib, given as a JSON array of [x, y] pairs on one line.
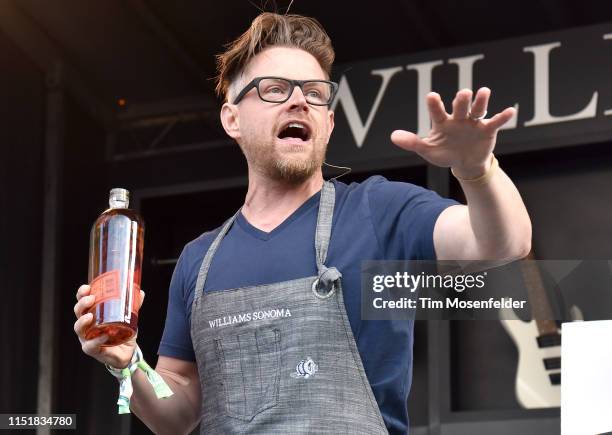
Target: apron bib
[[281, 357]]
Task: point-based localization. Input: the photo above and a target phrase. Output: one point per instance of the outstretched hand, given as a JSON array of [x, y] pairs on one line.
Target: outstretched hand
[[463, 140]]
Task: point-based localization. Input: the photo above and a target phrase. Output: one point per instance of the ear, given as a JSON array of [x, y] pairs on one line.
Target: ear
[[330, 113], [230, 120]]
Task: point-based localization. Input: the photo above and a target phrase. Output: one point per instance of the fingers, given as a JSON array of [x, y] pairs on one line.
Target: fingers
[[463, 107], [82, 291], [406, 140], [84, 304], [82, 323], [500, 119], [92, 347], [437, 112], [142, 296], [481, 101], [461, 104]]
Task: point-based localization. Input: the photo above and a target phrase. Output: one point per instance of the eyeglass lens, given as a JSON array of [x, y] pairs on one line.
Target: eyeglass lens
[[277, 90]]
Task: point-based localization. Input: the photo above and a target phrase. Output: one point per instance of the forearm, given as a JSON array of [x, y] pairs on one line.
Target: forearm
[[176, 414], [498, 217]]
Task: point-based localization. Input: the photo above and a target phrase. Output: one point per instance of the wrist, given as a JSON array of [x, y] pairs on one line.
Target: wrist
[[120, 373], [161, 389], [477, 175]]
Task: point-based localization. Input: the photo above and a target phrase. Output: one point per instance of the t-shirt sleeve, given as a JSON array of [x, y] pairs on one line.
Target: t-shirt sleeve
[[404, 216], [176, 339]]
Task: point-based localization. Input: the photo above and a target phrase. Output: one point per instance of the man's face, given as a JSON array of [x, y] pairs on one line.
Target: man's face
[[272, 148]]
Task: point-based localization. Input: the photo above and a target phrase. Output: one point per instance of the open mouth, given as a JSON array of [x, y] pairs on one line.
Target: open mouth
[[295, 130]]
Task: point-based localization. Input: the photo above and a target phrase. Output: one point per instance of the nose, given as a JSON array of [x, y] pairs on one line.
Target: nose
[[297, 101]]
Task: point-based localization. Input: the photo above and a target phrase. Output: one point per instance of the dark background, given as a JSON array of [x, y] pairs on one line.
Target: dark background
[[101, 94]]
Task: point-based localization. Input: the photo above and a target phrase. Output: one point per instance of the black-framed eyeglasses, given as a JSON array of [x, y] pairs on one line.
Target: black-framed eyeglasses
[[279, 90]]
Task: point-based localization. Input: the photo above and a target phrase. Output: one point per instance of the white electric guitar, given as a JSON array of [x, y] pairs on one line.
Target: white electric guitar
[[538, 377]]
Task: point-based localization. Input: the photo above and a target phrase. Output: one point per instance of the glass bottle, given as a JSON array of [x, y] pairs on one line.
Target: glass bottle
[[115, 265]]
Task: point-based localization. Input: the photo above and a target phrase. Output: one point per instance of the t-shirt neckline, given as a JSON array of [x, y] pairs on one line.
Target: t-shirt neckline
[[263, 235]]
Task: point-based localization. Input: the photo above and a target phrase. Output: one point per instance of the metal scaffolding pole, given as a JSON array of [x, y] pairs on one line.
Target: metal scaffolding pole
[[51, 240]]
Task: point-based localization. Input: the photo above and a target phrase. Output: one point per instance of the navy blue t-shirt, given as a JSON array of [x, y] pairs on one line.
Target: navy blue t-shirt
[[373, 220]]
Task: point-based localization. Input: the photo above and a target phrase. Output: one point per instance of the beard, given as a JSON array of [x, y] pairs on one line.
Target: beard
[[286, 167], [294, 171]]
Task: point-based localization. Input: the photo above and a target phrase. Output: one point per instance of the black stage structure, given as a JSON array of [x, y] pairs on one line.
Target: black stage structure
[[119, 93]]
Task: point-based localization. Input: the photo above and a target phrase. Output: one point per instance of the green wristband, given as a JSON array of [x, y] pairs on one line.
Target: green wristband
[[162, 390]]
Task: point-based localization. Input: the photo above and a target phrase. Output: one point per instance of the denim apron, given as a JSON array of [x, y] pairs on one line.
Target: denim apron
[[281, 358]]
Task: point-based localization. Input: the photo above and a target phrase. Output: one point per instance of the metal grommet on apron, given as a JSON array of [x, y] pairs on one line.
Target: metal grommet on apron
[[325, 285], [281, 357]]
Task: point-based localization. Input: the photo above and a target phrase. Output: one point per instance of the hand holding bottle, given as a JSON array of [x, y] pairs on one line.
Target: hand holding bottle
[[116, 356]]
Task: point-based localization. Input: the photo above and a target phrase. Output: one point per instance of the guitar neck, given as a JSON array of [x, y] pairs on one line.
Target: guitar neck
[[541, 309]]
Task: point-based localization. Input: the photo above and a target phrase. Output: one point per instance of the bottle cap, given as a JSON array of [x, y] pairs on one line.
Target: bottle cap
[[119, 198]]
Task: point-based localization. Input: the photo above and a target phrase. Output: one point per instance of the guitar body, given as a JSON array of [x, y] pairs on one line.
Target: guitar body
[[538, 377]]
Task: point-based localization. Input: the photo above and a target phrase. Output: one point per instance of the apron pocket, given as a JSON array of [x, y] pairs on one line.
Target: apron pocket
[[250, 367]]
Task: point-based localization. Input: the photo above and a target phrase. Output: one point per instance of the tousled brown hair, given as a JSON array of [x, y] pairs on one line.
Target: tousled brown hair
[[269, 29]]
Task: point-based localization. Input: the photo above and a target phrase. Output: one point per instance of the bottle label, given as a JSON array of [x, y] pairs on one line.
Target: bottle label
[[106, 286]]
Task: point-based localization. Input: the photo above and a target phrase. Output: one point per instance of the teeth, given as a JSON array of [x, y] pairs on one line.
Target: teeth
[[295, 124]]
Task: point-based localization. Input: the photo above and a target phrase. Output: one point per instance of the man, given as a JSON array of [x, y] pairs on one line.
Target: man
[[263, 332]]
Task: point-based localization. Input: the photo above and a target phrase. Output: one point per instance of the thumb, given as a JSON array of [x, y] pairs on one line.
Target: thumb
[[406, 140], [142, 296]]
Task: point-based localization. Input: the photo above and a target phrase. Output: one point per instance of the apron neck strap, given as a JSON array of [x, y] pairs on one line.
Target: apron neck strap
[[203, 273], [324, 222], [322, 235]]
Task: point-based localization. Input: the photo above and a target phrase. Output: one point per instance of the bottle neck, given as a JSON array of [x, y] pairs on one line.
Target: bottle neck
[[119, 198], [118, 203]]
